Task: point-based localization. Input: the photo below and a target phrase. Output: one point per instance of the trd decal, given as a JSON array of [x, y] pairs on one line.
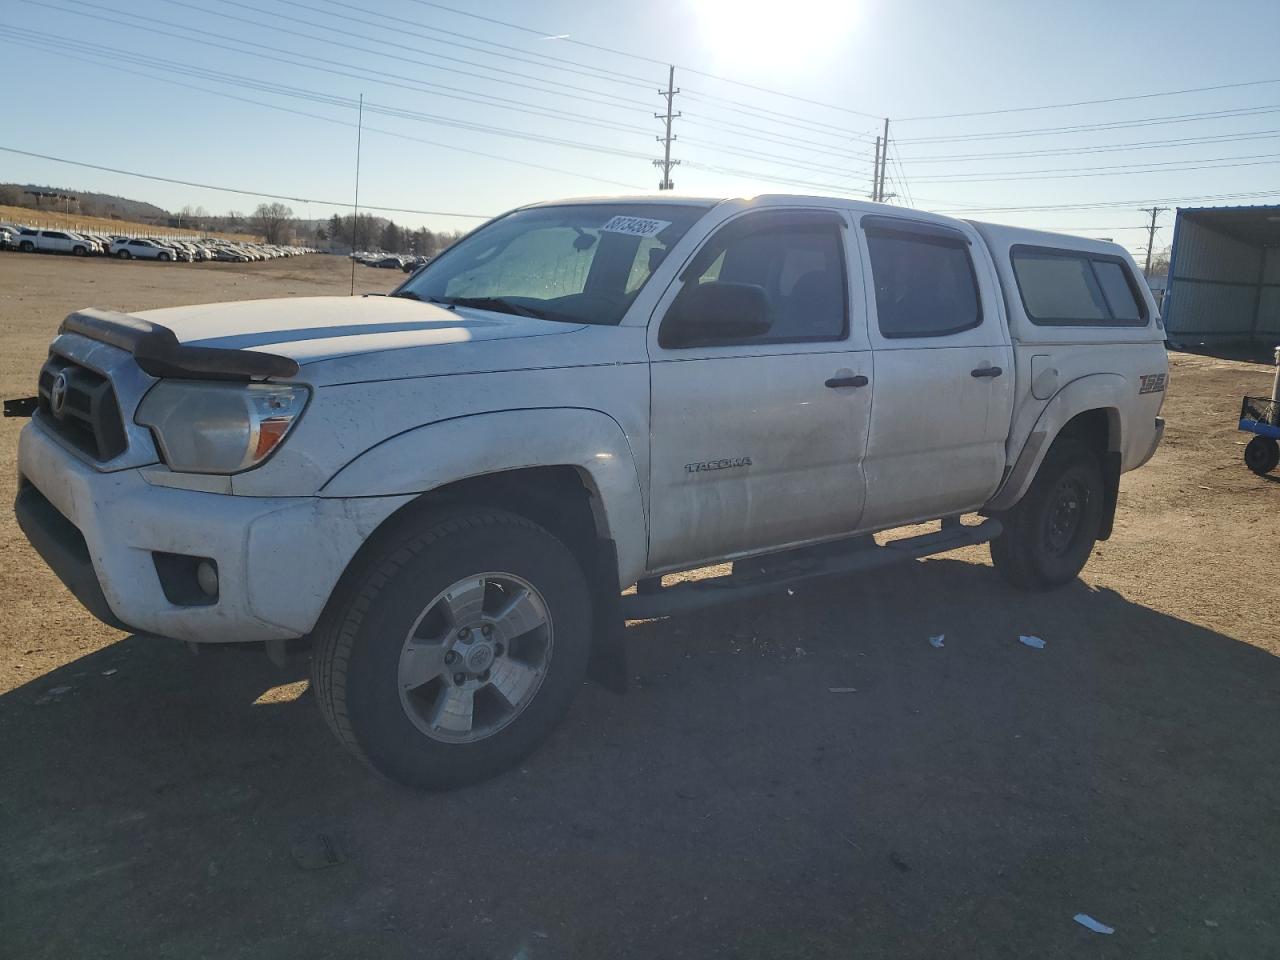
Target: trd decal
[[728, 463], [1152, 382]]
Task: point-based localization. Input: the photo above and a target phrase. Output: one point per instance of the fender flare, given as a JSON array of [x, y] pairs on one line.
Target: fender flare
[[1096, 391], [432, 455]]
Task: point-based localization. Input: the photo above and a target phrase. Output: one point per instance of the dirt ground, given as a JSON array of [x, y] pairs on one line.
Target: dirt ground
[[966, 801]]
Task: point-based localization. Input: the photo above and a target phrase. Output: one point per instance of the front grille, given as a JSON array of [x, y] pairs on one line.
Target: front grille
[[80, 406]]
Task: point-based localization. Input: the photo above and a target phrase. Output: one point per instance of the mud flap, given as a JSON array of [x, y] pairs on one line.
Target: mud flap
[[1110, 493], [608, 663]]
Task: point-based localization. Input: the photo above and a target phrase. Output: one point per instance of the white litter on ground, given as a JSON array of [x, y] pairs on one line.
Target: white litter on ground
[[938, 640], [1034, 642], [1087, 921]]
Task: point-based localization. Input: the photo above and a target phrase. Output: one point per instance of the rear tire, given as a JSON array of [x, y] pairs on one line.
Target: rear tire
[[1261, 455], [402, 679], [1050, 533]]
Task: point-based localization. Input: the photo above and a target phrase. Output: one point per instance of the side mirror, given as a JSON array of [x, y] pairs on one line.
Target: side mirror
[[716, 312]]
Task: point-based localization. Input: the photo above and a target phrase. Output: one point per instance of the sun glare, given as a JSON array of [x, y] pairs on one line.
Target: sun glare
[[763, 32]]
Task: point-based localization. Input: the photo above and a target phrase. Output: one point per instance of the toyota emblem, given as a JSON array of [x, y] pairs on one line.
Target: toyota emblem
[[58, 394]]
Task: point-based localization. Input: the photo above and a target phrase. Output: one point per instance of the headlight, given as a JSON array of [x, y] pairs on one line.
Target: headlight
[[207, 427]]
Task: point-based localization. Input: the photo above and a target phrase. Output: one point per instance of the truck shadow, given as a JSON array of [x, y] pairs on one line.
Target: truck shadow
[[785, 779]]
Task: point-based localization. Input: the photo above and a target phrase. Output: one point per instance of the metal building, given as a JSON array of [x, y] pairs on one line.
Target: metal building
[[1224, 275]]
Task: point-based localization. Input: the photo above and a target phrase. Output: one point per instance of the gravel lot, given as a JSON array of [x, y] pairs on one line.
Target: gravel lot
[[958, 802]]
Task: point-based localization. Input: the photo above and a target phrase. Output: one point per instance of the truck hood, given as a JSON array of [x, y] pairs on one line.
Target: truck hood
[[311, 329]]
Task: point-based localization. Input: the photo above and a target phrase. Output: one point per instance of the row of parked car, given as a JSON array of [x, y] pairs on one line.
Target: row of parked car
[[389, 261], [34, 240]]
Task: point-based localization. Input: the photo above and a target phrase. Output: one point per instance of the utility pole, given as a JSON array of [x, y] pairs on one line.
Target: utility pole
[[884, 162], [355, 214], [666, 163], [875, 174], [1151, 234]]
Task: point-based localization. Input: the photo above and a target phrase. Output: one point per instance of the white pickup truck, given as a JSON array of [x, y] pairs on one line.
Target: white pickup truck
[[446, 490]]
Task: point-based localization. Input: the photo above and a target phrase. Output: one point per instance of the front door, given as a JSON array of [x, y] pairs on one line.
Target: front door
[[757, 441], [943, 373]]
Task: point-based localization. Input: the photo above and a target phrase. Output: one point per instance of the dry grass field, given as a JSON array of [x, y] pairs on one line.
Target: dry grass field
[[966, 801], [53, 220]]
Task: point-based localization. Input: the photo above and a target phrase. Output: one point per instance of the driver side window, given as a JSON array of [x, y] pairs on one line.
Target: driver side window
[[793, 261]]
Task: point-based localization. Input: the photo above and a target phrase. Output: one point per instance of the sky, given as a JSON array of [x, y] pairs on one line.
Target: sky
[[474, 108]]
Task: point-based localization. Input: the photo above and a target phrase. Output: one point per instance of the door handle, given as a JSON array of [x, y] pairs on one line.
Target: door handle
[[858, 381], [986, 372]]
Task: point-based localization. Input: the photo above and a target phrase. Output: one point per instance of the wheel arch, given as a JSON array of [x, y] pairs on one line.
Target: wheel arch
[[569, 469], [1090, 409]]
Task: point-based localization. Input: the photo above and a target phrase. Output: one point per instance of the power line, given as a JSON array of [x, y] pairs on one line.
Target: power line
[[336, 102], [1087, 127], [902, 176], [244, 193], [504, 103], [1124, 169], [1108, 204], [276, 87], [769, 116], [605, 72], [1090, 103], [380, 53], [507, 51], [369, 74], [643, 58], [1112, 148], [774, 137], [116, 55]]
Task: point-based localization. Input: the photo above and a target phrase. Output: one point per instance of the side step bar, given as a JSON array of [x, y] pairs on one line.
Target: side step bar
[[767, 574]]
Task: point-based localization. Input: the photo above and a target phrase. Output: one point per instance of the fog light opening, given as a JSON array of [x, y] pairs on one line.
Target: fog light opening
[[207, 579]]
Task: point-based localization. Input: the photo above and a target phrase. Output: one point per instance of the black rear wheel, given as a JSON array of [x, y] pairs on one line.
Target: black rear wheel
[[1261, 455], [1049, 535]]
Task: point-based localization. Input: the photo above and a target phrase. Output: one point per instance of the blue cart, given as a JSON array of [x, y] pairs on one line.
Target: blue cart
[[1261, 417]]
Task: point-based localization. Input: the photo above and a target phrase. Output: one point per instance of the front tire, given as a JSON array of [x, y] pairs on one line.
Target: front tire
[[1261, 455], [454, 648], [125, 255], [26, 246], [163, 258], [1050, 533]]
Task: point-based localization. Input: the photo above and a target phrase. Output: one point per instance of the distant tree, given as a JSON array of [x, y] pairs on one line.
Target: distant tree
[[272, 221], [392, 238], [11, 195], [234, 218]]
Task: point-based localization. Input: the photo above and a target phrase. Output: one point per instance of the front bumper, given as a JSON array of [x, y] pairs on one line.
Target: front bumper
[[278, 558]]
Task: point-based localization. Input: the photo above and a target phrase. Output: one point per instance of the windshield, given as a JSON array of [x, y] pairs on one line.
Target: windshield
[[583, 263]]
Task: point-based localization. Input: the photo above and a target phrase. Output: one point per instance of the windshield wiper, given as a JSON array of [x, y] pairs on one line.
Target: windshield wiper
[[407, 294], [497, 304]]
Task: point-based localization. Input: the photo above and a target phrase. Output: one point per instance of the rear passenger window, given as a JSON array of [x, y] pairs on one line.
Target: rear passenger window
[[924, 280], [1072, 288]]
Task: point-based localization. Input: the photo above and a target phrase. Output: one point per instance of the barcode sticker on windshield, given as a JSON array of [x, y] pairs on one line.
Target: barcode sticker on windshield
[[635, 226]]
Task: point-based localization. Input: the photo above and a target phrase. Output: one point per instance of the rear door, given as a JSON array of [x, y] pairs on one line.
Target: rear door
[[757, 443], [943, 372]]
